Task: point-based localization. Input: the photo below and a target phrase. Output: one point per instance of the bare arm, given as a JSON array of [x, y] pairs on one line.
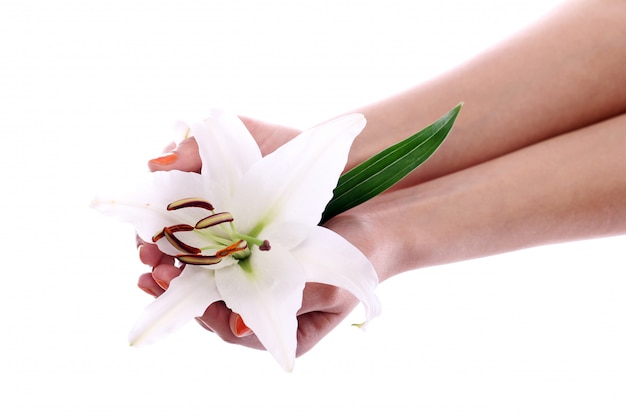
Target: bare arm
[[561, 73], [567, 188], [487, 190]]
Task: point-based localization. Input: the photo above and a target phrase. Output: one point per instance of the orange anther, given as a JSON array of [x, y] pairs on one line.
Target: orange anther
[[230, 249]]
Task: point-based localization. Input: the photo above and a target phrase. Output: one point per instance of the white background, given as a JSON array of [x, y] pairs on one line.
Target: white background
[[88, 91]]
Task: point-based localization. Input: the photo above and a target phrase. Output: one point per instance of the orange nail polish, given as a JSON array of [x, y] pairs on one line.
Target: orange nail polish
[[149, 291], [241, 329], [162, 284], [167, 159]]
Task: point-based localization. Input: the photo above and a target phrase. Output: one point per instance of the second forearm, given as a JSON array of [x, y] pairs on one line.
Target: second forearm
[[571, 187]]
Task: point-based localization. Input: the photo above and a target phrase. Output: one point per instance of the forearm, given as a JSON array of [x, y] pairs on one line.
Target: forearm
[[563, 72], [567, 188]]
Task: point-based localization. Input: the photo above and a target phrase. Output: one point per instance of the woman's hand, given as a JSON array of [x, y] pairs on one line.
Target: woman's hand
[[323, 306]]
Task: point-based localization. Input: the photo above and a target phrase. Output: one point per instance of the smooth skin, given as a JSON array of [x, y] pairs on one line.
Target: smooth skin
[[537, 156]]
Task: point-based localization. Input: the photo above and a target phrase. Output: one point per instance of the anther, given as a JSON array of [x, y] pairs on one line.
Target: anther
[[172, 229], [214, 219], [230, 249], [265, 246], [190, 202], [198, 259], [177, 243]]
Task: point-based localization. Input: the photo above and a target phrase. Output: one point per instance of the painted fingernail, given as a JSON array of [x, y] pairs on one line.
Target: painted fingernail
[[239, 327], [161, 283], [167, 159], [149, 291]]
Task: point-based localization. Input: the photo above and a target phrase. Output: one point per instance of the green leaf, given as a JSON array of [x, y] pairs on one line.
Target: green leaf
[[386, 168]]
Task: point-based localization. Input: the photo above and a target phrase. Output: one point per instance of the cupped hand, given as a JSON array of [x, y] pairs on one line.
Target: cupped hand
[[323, 306]]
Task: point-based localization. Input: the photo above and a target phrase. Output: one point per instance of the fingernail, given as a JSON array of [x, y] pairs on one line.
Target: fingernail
[[162, 284], [239, 327], [167, 159], [149, 291]]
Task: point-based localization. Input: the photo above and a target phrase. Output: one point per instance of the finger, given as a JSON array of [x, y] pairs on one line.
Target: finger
[[237, 326], [326, 298], [163, 274], [315, 325], [150, 255], [268, 136], [169, 148], [149, 285], [184, 157], [324, 307], [217, 318]]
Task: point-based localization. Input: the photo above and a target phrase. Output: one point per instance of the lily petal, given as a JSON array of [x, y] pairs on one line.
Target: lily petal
[[267, 293], [227, 149], [278, 200], [287, 235], [187, 297], [145, 206], [294, 183], [328, 258]]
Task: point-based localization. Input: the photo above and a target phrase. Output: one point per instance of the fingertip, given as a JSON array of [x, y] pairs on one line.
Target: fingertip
[[184, 157], [238, 327], [204, 324], [149, 286], [215, 318], [163, 161], [141, 253], [163, 274], [150, 254]]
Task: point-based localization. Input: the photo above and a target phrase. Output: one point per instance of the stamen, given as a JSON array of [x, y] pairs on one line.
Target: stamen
[[229, 250], [199, 259], [262, 244], [177, 243], [160, 235], [190, 202], [172, 229], [214, 219]]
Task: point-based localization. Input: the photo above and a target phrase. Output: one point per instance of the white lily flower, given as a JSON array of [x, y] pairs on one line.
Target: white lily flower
[[247, 229]]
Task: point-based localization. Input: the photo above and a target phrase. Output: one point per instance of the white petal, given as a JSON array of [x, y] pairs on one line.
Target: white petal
[[187, 297], [294, 183], [328, 258], [227, 148], [287, 235], [145, 206], [268, 299]]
